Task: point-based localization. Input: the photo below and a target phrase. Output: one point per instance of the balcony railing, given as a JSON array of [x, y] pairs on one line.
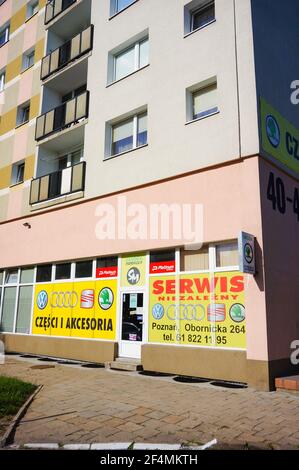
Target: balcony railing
[[60, 183], [67, 53], [55, 7], [63, 116]]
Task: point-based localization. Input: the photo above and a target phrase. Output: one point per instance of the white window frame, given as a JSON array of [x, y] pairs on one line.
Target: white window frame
[[27, 57], [135, 118], [2, 80], [6, 30], [136, 47], [198, 10], [30, 9]]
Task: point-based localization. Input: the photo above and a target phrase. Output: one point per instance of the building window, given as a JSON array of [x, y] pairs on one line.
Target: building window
[[8, 309], [162, 262], [44, 273], [195, 260], [83, 269], [130, 60], [227, 255], [23, 114], [18, 172], [63, 271], [119, 5], [202, 100], [27, 275], [4, 35], [28, 59], [32, 9], [202, 16], [2, 80], [129, 134], [12, 276], [23, 319]]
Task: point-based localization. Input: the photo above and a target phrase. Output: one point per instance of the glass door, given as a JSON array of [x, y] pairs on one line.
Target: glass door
[[132, 324]]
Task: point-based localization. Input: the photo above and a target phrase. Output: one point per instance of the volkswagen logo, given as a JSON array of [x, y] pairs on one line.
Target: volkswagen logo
[[64, 299], [186, 312], [42, 300], [158, 311]]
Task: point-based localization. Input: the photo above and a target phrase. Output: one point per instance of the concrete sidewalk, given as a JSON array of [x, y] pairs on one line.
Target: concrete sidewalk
[[78, 405]]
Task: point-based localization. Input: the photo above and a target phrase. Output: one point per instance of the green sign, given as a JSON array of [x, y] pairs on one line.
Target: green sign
[[280, 138]]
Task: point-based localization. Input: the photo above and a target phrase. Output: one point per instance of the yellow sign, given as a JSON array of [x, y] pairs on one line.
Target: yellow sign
[[280, 138], [133, 270], [76, 309], [198, 309]]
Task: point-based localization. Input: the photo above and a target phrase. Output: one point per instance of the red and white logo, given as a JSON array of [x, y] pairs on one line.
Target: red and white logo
[[216, 312], [87, 298], [107, 272], [162, 267]]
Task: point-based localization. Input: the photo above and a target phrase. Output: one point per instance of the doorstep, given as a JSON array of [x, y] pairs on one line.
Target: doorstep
[[127, 364], [290, 383]]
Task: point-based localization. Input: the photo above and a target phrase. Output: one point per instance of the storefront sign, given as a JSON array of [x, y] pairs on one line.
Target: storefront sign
[[133, 269], [280, 138], [76, 309], [246, 253], [198, 309], [102, 273], [162, 267]]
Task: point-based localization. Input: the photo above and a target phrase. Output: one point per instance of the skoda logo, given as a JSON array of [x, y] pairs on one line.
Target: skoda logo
[[273, 131], [42, 300], [106, 298], [237, 313], [158, 311], [248, 253]]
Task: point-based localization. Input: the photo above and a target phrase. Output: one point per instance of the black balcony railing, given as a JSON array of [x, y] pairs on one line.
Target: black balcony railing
[[59, 183], [63, 116], [55, 7], [67, 53]]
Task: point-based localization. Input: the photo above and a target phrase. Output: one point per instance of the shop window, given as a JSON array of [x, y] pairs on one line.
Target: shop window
[[197, 260], [83, 269], [44, 273], [227, 255], [27, 276], [107, 267], [162, 262], [24, 309], [63, 271], [8, 309], [1, 277], [11, 276]]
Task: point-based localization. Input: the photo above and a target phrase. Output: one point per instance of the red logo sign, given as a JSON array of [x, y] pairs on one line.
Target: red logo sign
[[162, 267], [87, 298], [107, 272]]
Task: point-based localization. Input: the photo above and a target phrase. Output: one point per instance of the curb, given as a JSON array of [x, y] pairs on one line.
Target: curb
[[117, 446], [7, 438]]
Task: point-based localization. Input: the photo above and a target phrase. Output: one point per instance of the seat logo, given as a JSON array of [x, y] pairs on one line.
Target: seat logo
[[64, 299], [87, 299], [42, 300], [186, 312]]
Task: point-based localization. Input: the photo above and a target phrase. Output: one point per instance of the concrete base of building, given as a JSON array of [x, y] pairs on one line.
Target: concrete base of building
[[197, 362], [262, 374], [66, 348]]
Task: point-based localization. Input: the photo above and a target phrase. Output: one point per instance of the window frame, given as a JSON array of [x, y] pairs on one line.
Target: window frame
[[114, 11], [202, 9], [135, 118], [136, 46], [30, 9], [27, 58], [2, 80], [6, 30]]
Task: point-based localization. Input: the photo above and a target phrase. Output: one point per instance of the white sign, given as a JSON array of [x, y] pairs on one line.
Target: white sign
[[247, 253], [133, 300]]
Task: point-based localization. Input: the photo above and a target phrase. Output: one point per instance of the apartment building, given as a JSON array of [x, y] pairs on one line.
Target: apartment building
[[110, 107]]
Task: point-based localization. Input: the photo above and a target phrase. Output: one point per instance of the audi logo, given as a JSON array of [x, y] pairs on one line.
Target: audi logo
[[64, 299], [186, 312]]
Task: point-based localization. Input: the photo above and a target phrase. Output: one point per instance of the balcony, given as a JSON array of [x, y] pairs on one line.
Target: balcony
[[64, 116], [70, 51], [55, 7], [57, 184]]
